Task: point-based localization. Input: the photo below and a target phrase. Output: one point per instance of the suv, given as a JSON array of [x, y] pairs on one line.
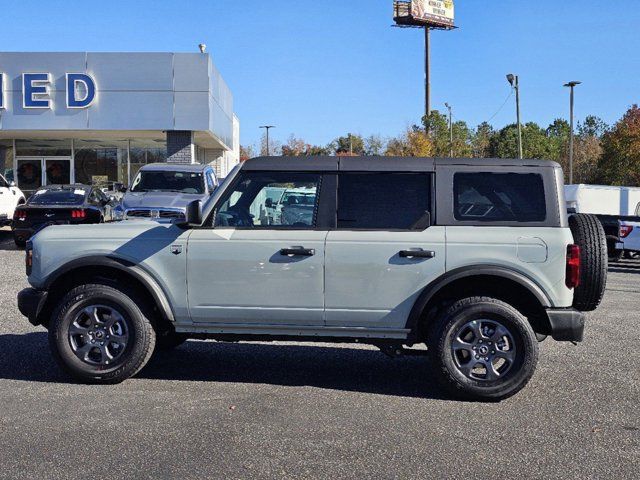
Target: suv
[[474, 258], [163, 190], [10, 197]]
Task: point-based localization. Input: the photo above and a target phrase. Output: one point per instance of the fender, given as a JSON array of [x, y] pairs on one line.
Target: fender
[[466, 272], [135, 270]]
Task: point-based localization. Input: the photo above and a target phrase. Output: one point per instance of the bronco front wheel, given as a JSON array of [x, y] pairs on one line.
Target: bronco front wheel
[[100, 334], [483, 348]]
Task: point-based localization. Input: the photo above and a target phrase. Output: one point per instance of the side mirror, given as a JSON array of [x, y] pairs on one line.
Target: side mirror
[[268, 203], [193, 214]]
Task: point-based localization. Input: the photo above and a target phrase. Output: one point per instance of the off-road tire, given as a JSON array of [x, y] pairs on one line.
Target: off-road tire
[[134, 310], [442, 331], [589, 235]]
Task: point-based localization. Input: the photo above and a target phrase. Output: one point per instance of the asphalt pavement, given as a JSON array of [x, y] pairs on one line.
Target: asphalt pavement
[[298, 410]]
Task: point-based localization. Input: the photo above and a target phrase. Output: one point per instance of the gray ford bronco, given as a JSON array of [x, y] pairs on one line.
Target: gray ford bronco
[[477, 259]]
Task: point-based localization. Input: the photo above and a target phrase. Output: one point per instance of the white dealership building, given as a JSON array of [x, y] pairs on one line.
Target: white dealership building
[[98, 117]]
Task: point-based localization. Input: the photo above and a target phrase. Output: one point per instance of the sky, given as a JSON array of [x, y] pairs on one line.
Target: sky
[[320, 69]]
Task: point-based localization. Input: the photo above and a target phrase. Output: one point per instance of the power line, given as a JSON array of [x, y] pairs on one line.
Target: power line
[[501, 106]]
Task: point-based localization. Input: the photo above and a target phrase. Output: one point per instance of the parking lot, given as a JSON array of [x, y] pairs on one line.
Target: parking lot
[[211, 410]]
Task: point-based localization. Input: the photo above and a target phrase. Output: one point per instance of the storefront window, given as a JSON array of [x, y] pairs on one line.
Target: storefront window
[[6, 160], [43, 148], [101, 163], [146, 151]]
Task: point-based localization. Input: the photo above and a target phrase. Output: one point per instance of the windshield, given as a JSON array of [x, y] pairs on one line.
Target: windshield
[[158, 181], [65, 196]]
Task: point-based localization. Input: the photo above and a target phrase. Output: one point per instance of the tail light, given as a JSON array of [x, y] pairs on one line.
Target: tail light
[[20, 215], [572, 279], [28, 260], [78, 214], [625, 230]]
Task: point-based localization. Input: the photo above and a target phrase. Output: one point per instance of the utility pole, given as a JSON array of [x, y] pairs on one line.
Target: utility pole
[[571, 86], [267, 127], [513, 80], [350, 145], [450, 130], [427, 71]]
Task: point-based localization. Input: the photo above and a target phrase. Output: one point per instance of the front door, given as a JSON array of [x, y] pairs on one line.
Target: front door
[[384, 250], [252, 267], [35, 172]]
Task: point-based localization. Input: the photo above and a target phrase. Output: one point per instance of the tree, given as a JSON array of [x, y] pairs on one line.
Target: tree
[[587, 149], [481, 141], [620, 160], [437, 126], [247, 152], [414, 142], [275, 147], [535, 142], [348, 144], [296, 147], [374, 145]]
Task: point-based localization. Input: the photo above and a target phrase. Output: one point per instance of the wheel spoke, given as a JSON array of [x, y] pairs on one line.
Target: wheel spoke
[[113, 318], [105, 355], [508, 355], [93, 314], [76, 329], [500, 333], [458, 344], [491, 371], [83, 351], [466, 368], [119, 339]]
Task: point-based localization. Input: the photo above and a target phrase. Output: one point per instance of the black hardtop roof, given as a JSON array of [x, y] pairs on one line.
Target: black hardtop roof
[[382, 164]]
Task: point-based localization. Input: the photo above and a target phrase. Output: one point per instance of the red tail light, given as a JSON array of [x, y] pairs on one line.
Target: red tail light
[[573, 266], [625, 230], [78, 214], [19, 214]]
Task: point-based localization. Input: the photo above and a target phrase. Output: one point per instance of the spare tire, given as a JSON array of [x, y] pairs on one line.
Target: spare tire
[[589, 235]]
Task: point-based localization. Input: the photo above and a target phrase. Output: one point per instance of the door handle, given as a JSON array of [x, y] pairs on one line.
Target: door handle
[[298, 251], [417, 253]]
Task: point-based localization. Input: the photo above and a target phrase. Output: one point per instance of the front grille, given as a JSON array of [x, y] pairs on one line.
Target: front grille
[[154, 213]]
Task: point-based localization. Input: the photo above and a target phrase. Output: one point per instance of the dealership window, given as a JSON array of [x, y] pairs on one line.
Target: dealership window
[[144, 151], [101, 162], [384, 201], [43, 148], [499, 197], [6, 159]]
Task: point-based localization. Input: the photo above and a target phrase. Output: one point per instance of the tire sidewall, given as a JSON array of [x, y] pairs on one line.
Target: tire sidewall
[[99, 295], [525, 342]]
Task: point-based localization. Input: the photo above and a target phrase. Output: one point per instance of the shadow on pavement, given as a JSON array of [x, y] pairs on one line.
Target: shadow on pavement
[[6, 240], [625, 266], [27, 357]]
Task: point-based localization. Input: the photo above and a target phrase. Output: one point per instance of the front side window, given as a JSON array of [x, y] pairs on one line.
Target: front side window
[[168, 181], [499, 197], [384, 201], [270, 200]]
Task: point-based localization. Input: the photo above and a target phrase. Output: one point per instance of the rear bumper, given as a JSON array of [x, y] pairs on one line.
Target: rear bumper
[[567, 324], [23, 233], [30, 303]]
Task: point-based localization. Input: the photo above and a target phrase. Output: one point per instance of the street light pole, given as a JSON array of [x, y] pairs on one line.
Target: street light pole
[[267, 127], [571, 86], [513, 80], [450, 130]]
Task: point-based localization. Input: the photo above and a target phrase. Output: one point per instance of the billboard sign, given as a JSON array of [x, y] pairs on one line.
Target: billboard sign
[[433, 12]]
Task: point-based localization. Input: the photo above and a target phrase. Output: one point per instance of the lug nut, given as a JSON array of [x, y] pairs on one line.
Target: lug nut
[[480, 341], [492, 351]]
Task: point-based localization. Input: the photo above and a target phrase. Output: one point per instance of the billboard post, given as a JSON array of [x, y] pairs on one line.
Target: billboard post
[[427, 14]]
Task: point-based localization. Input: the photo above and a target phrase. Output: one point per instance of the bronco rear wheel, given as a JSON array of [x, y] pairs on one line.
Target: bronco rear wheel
[[100, 334], [484, 349]]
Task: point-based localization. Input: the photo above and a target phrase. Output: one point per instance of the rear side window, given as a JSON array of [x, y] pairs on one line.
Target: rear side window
[[384, 201], [499, 197]]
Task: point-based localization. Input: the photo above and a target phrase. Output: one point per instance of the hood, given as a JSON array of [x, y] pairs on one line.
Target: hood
[[158, 199]]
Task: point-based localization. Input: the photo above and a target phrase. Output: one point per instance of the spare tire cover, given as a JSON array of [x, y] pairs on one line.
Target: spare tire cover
[[589, 235]]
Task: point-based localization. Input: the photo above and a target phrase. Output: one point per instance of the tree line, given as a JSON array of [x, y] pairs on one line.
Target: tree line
[[603, 154]]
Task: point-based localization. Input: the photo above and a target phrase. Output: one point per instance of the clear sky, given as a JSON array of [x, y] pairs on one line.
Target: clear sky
[[323, 68]]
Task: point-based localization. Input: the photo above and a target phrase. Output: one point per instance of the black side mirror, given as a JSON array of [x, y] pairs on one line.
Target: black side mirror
[[193, 214], [268, 203]]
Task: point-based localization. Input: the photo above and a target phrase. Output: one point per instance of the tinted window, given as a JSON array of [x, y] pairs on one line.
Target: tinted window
[[497, 197], [72, 196], [386, 201], [168, 181], [270, 199]]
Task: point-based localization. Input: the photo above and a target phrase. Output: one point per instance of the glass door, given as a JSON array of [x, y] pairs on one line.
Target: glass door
[[29, 174], [57, 171]]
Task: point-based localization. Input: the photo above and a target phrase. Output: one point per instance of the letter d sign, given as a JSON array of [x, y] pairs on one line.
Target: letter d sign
[[81, 90]]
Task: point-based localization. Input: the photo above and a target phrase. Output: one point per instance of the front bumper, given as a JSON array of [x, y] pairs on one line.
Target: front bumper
[[30, 303], [567, 324]]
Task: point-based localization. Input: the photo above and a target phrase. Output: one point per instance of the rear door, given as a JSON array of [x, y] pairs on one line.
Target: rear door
[[384, 250], [248, 268]]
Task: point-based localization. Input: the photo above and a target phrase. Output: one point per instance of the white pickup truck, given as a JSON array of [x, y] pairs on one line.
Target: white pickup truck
[[10, 197]]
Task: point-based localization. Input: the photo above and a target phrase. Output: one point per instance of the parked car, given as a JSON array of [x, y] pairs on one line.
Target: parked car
[[630, 238], [296, 205], [475, 258], [10, 197], [162, 190], [61, 204], [613, 206]]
